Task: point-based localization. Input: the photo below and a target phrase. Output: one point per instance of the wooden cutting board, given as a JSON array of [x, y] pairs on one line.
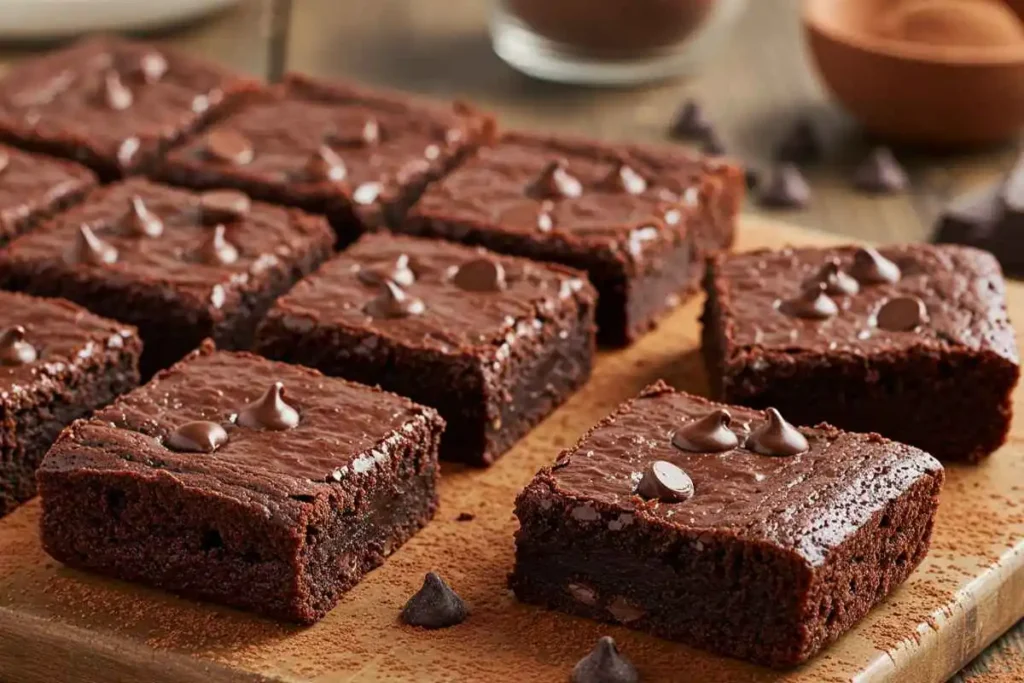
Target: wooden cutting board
[[62, 625]]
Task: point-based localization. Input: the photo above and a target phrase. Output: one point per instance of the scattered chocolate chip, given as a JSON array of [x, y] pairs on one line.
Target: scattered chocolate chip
[[812, 303], [393, 302], [786, 188], [690, 122], [398, 271], [480, 275], [216, 250], [465, 517], [713, 144], [435, 605], [661, 480], [605, 664], [197, 437], [880, 173], [229, 147], [555, 182], [836, 280], [115, 93], [752, 177], [870, 267], [801, 145], [709, 434], [269, 411], [777, 437], [223, 206], [326, 165], [152, 66], [902, 314], [141, 221], [5, 161], [88, 248], [14, 350], [623, 178]]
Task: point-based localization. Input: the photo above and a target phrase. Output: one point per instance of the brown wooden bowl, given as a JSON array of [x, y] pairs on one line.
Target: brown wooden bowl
[[918, 93]]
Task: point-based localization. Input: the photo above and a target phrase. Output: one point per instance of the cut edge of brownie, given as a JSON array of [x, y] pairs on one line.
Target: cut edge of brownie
[[80, 188]]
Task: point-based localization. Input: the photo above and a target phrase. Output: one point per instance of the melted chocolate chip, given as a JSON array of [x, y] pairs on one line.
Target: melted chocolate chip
[[777, 437], [398, 272], [14, 350], [902, 314], [870, 267], [661, 480], [690, 122], [197, 437], [709, 434], [152, 66], [116, 94], [880, 173], [786, 188], [836, 280], [325, 165], [435, 605], [5, 161], [223, 206], [141, 221], [801, 145], [216, 250], [480, 275], [393, 302], [88, 248], [812, 303], [623, 178], [269, 411], [605, 664], [555, 182], [229, 147]]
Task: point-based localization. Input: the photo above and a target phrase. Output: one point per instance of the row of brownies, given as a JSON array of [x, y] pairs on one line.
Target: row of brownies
[[733, 529]]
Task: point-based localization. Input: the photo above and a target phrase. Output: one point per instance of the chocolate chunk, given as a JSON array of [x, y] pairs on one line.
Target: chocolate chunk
[[465, 517], [812, 303], [325, 164], [777, 437], [88, 248], [14, 350], [116, 94], [223, 206], [870, 267], [197, 437], [605, 664], [216, 250], [393, 302], [555, 182], [141, 221], [709, 434], [623, 178], [836, 280], [661, 480], [713, 144], [690, 122], [902, 314], [482, 274], [786, 189], [880, 173], [435, 605], [5, 161], [398, 272], [801, 145], [229, 147], [269, 411], [152, 66]]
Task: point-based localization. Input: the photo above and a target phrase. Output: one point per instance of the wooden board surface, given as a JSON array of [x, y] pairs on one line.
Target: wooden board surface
[[61, 625]]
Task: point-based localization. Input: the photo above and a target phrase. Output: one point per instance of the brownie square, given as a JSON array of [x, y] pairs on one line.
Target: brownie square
[[360, 156], [909, 341], [58, 362], [494, 343], [34, 187], [749, 538], [235, 479], [179, 265], [112, 104], [639, 220]]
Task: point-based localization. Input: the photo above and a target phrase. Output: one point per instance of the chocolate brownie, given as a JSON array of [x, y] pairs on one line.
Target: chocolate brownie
[[909, 341], [113, 104], [235, 479], [181, 266], [494, 343], [34, 187], [639, 220], [58, 362], [361, 156], [724, 527]]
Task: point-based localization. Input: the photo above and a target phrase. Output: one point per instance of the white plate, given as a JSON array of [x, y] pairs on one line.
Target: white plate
[[34, 19]]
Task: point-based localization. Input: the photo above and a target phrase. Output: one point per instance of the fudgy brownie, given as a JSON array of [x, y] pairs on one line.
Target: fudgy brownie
[[724, 527], [493, 342], [232, 478], [34, 187], [179, 265], [113, 104], [361, 156], [909, 341], [58, 362], [639, 220]]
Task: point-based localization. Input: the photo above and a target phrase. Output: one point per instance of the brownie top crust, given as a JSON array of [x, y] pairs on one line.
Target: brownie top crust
[[437, 295], [206, 248], [846, 301], [807, 502], [30, 183]]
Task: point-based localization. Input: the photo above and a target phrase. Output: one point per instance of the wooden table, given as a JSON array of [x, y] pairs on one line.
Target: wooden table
[[753, 90]]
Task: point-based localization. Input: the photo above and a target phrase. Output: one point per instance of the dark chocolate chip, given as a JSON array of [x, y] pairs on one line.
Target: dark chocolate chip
[[786, 188], [393, 302], [88, 248], [325, 165], [801, 145], [555, 182], [482, 274], [465, 517], [152, 66], [14, 350], [902, 314], [141, 221], [777, 437], [690, 122], [709, 434], [880, 173], [661, 480], [623, 178], [217, 250], [752, 177], [5, 161], [605, 664], [836, 280], [812, 303], [713, 144], [223, 206], [228, 146], [870, 267], [398, 271], [435, 605], [269, 411], [197, 437], [116, 94]]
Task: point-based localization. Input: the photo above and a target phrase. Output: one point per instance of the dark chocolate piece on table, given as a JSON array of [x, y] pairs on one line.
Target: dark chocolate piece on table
[[880, 173], [690, 122], [801, 145], [435, 605], [605, 664], [786, 188]]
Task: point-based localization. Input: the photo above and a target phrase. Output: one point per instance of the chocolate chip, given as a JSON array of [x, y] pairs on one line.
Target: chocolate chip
[[398, 271], [713, 144], [902, 314], [197, 437], [367, 193], [393, 302], [325, 165], [127, 150], [623, 178], [661, 480], [786, 188], [152, 66], [465, 517], [88, 248], [870, 267], [812, 303], [223, 206], [709, 434], [605, 664], [14, 350], [836, 280], [482, 274], [690, 122], [752, 177], [777, 437], [555, 182], [216, 250], [269, 411], [141, 221], [116, 94], [880, 173], [801, 145], [5, 161], [435, 605], [229, 147]]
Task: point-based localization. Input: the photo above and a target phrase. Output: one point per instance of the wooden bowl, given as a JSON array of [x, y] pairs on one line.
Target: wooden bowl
[[915, 92]]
